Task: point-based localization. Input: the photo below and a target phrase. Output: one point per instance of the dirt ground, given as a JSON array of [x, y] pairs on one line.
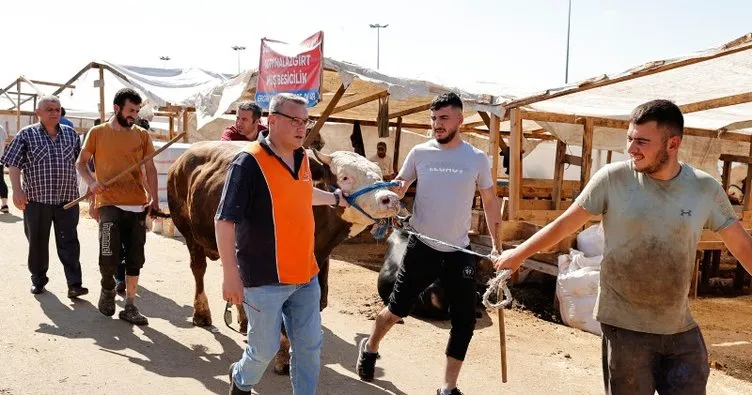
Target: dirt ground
[[54, 345]]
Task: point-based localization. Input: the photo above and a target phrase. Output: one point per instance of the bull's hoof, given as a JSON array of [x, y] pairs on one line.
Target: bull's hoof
[[201, 312], [282, 369], [202, 319]]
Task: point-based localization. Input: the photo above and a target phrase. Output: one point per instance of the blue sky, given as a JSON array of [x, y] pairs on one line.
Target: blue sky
[[521, 44]]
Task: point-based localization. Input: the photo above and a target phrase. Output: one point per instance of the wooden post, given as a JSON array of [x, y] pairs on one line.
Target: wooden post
[[561, 153], [171, 130], [515, 162], [748, 184], [587, 153], [397, 138], [18, 105], [487, 121], [608, 156], [101, 94], [185, 125], [324, 115], [493, 145], [726, 175]]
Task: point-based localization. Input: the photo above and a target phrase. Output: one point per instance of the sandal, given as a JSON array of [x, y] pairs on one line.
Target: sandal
[[4, 209]]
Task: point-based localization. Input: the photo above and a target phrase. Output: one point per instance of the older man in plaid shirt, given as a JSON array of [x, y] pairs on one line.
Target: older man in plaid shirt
[[46, 153]]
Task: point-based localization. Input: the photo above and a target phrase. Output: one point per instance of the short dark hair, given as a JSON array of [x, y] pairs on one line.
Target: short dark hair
[[126, 94], [664, 112], [446, 99], [381, 144], [252, 107]]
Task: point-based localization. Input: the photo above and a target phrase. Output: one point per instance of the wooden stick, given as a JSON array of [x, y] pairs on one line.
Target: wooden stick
[[499, 296], [502, 339], [128, 170], [324, 115]]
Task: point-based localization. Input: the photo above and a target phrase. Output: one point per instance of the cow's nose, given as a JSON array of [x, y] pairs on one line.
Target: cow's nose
[[386, 200]]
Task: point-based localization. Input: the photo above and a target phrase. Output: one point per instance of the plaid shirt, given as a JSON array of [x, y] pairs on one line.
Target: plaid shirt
[[49, 166]]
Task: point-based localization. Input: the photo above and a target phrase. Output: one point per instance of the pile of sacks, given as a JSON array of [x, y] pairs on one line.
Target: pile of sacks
[[578, 280]]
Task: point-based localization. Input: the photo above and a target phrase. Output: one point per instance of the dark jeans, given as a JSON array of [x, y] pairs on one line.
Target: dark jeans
[[122, 235], [38, 219], [3, 185], [421, 266], [637, 363]]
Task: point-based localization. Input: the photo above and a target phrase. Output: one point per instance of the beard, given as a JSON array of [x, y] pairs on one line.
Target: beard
[[125, 122], [450, 135], [657, 165]]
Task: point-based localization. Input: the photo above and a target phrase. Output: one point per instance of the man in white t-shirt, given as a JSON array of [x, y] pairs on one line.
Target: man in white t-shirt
[[448, 171], [383, 160]]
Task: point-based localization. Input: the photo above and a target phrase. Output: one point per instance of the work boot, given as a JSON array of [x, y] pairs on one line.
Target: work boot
[[76, 291], [234, 390], [37, 289], [131, 314], [366, 361], [107, 302]]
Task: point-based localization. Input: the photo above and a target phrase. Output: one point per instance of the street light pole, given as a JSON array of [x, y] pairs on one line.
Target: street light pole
[[237, 49], [569, 21], [378, 28]]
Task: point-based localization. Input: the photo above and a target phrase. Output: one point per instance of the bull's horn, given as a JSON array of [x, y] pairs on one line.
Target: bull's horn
[[323, 158]]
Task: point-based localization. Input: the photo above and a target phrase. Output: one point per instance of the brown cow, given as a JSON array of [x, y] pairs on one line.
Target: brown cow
[[194, 188]]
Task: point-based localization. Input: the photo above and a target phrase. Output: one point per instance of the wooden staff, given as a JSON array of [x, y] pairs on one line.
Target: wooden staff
[[502, 330], [126, 171], [502, 338]]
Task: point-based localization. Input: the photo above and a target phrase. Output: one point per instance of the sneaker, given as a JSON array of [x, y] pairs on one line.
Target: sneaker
[[130, 313], [4, 209], [366, 361], [76, 291], [107, 302], [234, 390], [455, 391]]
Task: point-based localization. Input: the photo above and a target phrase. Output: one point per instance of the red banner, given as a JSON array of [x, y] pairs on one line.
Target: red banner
[[290, 68]]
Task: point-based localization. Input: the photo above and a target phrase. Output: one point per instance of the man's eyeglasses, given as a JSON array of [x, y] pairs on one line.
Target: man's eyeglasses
[[297, 122]]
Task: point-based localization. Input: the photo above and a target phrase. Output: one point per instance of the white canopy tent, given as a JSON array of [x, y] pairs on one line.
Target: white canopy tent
[[713, 88], [161, 88]]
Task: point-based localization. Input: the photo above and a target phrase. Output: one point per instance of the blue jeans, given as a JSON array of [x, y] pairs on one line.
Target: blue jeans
[[266, 307]]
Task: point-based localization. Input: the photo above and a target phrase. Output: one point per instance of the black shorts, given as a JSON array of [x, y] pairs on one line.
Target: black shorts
[[421, 266], [120, 233]]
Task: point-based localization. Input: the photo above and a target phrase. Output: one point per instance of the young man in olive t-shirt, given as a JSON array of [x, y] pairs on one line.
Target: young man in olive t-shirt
[[654, 211]]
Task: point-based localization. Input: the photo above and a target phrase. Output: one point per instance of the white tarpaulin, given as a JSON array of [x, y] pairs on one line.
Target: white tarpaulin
[[717, 73], [361, 82]]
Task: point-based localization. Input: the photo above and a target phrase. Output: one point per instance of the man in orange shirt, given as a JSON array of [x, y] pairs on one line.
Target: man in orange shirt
[[117, 145], [265, 235]]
